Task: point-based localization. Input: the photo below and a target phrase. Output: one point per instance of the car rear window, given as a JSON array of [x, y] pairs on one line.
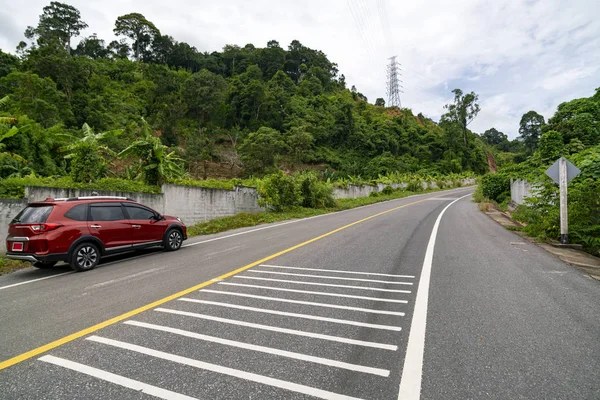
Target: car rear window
[[33, 215], [106, 212], [78, 213]]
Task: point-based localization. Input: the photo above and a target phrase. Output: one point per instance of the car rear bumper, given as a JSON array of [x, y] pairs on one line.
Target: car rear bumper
[[37, 258]]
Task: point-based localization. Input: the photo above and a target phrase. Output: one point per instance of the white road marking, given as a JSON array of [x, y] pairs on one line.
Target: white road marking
[[348, 296], [35, 280], [441, 198], [328, 277], [296, 315], [124, 278], [306, 219], [308, 303], [335, 270], [116, 379], [232, 235], [263, 349], [412, 372], [250, 231], [311, 391], [322, 284], [281, 330]]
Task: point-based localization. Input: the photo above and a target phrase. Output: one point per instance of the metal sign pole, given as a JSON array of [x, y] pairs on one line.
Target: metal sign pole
[[564, 215]]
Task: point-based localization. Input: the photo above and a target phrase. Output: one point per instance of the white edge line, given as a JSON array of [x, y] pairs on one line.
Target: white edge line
[[308, 303], [338, 271], [315, 216], [327, 277], [347, 296], [234, 234], [412, 372], [36, 280], [323, 284], [296, 315], [294, 332], [263, 349], [311, 391], [116, 379]]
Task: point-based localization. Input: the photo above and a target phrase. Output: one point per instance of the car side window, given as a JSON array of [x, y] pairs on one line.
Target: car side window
[[106, 212], [78, 213], [136, 212]]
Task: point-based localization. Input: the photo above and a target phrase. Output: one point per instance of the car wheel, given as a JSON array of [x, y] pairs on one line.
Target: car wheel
[[85, 257], [173, 240], [44, 265]]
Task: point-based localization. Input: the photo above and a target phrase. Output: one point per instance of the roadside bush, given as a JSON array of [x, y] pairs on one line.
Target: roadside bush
[[495, 187], [387, 190], [414, 185], [278, 192], [313, 192]]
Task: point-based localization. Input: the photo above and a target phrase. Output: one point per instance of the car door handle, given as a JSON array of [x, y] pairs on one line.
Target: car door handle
[[95, 226], [136, 226]]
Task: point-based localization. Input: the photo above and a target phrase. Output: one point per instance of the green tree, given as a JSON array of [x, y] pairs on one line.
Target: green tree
[[494, 137], [530, 129], [551, 146], [137, 28], [261, 149], [463, 111], [299, 142], [203, 93], [380, 102], [58, 23], [92, 47], [8, 63]]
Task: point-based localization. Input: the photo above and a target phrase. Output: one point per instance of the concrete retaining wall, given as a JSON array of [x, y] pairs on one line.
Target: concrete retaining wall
[[520, 189], [354, 191], [9, 208], [191, 204]]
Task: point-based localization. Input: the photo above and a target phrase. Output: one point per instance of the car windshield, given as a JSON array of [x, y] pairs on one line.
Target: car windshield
[[33, 215]]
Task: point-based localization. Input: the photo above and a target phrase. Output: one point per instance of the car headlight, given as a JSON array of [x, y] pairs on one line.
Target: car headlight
[[179, 219]]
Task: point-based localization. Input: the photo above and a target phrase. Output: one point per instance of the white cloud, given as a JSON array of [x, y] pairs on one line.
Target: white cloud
[[517, 55]]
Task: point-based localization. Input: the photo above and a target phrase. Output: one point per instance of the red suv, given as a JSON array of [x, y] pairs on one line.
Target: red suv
[[81, 230]]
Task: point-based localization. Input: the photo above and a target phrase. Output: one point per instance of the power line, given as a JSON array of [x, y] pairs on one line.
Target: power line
[[359, 23]]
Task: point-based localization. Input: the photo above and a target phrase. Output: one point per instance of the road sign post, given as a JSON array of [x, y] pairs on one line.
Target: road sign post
[[561, 172]]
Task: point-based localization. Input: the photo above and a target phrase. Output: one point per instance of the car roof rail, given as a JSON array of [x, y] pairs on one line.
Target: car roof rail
[[98, 198]]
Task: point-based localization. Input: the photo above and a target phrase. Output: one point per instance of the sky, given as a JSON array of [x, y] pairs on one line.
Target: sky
[[517, 55]]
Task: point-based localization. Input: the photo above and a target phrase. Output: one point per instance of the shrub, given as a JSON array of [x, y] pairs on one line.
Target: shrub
[[387, 190], [278, 192], [314, 193], [495, 186], [414, 185]]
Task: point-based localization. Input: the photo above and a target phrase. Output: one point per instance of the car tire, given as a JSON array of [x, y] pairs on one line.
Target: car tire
[[85, 257], [173, 239], [44, 265]]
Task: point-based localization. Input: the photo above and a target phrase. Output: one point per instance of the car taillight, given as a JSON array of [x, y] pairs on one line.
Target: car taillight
[[41, 228]]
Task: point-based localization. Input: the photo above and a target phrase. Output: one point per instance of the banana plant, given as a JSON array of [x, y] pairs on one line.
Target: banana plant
[[89, 139], [158, 165]]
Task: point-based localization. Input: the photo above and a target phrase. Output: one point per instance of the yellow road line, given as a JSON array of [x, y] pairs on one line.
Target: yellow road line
[[92, 329]]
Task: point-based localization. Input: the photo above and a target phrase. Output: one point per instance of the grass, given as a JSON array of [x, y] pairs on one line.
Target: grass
[[244, 220], [7, 266]]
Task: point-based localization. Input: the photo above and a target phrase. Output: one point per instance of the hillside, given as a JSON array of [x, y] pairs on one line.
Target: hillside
[[241, 111]]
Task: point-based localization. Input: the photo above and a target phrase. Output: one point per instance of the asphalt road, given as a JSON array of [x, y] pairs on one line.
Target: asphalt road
[[377, 308]]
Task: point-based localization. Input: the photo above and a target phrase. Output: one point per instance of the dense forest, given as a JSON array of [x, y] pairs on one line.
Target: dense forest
[[151, 107]]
